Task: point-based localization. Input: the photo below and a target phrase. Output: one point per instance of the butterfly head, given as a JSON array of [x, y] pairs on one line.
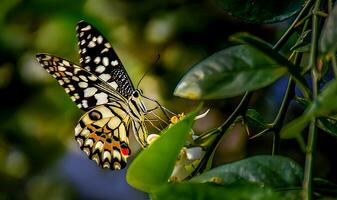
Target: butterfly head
[[137, 97]]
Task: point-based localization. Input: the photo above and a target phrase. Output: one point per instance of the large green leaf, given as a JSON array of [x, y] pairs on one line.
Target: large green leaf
[[328, 41], [273, 171], [324, 104], [264, 47], [261, 11], [200, 191], [154, 165], [228, 73]]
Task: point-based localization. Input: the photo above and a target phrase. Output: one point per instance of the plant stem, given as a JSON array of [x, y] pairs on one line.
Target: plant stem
[[245, 100], [291, 29], [311, 146], [309, 161], [334, 65], [277, 124], [221, 132], [289, 94]]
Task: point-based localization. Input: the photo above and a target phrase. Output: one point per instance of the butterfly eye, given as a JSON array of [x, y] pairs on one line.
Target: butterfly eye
[[95, 115], [136, 94]]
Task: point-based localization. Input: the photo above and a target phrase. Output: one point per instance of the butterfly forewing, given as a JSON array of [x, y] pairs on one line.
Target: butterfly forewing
[[99, 58], [84, 88], [102, 134]]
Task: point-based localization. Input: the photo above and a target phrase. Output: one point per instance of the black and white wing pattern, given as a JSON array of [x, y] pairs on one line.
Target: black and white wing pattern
[[99, 58], [85, 89], [103, 135], [102, 88]]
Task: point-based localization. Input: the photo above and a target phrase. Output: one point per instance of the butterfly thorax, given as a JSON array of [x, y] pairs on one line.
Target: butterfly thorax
[[137, 108], [137, 111]]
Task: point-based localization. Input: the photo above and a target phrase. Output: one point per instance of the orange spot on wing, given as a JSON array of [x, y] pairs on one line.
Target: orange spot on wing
[[96, 137], [107, 146]]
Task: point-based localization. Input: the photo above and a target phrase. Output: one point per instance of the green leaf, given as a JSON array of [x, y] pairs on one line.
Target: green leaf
[[294, 128], [260, 11], [228, 73], [326, 101], [328, 125], [324, 104], [255, 120], [209, 191], [328, 40], [273, 171], [264, 47], [154, 165], [325, 187], [303, 42]]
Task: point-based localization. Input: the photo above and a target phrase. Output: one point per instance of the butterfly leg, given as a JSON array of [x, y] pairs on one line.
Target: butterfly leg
[[162, 108]]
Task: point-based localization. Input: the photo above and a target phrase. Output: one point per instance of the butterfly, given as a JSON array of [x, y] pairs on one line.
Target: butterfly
[[101, 87]]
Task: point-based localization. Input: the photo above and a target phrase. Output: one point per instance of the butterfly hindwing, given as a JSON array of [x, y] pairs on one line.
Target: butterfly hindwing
[[84, 88], [99, 58], [102, 134]]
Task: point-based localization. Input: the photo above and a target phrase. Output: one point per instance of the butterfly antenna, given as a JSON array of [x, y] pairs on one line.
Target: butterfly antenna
[[154, 63]]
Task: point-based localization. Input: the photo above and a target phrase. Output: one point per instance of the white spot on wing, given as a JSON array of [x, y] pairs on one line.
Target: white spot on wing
[[105, 77], [101, 98], [88, 92], [105, 61], [75, 78], [87, 59], [83, 78], [107, 45], [61, 82], [89, 142], [99, 39], [92, 77], [100, 69], [86, 28], [62, 68], [113, 85], [83, 84], [66, 63], [97, 59], [85, 103], [104, 50], [91, 44], [114, 62]]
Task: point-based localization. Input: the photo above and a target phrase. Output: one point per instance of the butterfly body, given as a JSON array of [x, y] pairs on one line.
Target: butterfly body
[[102, 88]]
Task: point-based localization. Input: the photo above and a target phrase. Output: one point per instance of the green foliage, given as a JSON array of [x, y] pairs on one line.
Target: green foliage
[[154, 165], [228, 73], [200, 191], [328, 41], [323, 105], [273, 171], [328, 125], [260, 11], [238, 70], [33, 138], [255, 121]]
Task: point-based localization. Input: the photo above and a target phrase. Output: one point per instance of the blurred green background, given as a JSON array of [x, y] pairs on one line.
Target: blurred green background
[[39, 157]]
